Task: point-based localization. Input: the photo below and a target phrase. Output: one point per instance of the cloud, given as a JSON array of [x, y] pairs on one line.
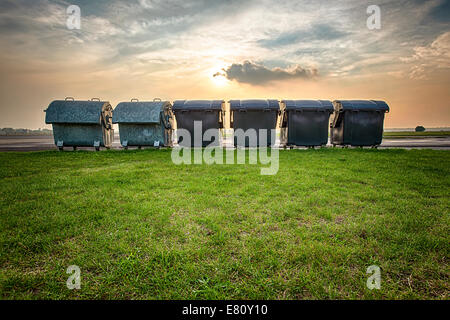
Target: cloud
[[427, 59], [256, 74], [441, 12], [317, 32]]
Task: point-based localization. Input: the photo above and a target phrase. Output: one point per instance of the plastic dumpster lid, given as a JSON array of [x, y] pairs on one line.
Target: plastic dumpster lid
[[71, 111], [254, 104], [204, 105], [361, 105], [305, 105], [139, 112]]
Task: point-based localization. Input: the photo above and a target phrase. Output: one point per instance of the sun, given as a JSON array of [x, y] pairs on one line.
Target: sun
[[219, 80], [217, 76]]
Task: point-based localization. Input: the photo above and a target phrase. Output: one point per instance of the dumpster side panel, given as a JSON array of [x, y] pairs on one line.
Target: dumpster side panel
[[308, 128], [78, 135], [141, 134], [255, 120], [209, 120]]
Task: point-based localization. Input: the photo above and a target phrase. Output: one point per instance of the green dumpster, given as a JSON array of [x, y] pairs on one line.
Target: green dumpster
[[81, 123], [146, 123], [358, 122], [306, 122]]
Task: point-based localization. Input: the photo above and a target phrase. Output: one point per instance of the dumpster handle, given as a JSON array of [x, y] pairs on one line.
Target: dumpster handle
[[157, 99], [105, 121], [337, 119], [95, 99], [69, 98], [134, 99], [283, 119]]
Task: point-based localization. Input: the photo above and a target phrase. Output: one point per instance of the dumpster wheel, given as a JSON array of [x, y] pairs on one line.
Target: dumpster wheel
[[61, 148], [97, 148]]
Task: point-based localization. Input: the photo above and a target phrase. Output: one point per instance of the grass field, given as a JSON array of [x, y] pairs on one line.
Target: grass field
[[140, 227], [412, 134]]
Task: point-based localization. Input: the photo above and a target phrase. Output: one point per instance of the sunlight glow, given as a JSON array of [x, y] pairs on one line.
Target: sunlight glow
[[217, 75], [219, 80]]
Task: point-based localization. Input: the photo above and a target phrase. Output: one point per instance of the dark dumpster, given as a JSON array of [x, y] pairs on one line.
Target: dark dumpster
[[306, 122], [146, 123], [210, 113], [254, 114], [81, 123], [358, 122]]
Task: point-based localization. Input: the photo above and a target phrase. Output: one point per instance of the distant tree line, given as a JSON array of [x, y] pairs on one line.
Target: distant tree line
[[24, 132]]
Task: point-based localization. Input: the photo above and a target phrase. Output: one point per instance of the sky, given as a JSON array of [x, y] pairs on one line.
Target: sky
[[226, 49]]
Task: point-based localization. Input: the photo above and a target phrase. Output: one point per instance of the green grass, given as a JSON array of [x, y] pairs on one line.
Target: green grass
[[140, 227], [412, 134]]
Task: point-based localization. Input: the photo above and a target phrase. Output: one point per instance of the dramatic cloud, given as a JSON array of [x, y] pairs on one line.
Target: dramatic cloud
[[427, 59], [256, 74]]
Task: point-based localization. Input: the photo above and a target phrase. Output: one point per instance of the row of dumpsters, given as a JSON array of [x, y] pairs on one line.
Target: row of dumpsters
[[152, 123]]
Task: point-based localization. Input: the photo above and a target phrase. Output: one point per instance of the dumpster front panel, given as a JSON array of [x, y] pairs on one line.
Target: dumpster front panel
[[255, 120], [365, 128], [254, 114], [209, 120], [307, 128], [78, 135], [142, 135]]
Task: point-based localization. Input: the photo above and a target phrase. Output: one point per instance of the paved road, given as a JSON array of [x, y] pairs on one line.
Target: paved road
[[422, 142], [39, 143]]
